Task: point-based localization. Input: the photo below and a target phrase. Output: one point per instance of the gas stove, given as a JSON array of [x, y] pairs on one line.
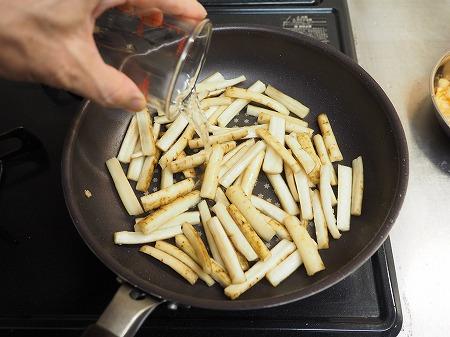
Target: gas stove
[[52, 285]]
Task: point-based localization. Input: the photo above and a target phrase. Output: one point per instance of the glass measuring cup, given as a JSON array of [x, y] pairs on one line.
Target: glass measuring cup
[[163, 55]]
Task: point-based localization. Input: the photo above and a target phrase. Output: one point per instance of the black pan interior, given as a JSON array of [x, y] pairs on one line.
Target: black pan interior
[[364, 122]]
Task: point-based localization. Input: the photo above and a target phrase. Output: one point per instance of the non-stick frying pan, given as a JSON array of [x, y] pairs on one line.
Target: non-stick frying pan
[[363, 119]]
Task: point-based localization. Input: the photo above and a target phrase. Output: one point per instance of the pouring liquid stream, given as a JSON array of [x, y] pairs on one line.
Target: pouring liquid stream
[[189, 105]]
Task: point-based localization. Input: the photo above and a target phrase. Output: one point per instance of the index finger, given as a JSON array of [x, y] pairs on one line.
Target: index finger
[[187, 8]]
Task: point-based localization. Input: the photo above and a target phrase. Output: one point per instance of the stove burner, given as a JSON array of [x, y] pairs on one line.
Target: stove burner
[[29, 149]]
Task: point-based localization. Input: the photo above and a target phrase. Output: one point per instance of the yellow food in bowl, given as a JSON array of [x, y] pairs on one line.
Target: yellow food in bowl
[[442, 97]]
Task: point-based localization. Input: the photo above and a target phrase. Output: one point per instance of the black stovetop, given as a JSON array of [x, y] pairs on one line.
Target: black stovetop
[[52, 285]]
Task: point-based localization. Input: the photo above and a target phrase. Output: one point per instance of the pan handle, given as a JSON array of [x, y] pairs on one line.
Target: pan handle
[[124, 315]]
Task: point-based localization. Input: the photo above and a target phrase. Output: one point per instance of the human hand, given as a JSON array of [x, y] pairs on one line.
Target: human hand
[[51, 41]]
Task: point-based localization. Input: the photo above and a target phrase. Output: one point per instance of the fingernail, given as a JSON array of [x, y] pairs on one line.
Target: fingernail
[[204, 12], [137, 104]]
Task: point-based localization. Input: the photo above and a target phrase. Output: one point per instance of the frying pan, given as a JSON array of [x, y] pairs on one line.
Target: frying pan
[[364, 121]]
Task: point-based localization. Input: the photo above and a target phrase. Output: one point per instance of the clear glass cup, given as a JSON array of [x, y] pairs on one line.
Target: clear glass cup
[[162, 54]]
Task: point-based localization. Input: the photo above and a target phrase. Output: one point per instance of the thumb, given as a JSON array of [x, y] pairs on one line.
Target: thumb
[[114, 89]]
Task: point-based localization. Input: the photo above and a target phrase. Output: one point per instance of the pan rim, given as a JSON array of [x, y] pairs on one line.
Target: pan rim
[[253, 304]]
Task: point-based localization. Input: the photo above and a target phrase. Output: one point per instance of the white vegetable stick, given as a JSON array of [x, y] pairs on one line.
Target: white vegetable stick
[[217, 272], [137, 154], [289, 175], [231, 175], [226, 250], [296, 128], [325, 198], [242, 261], [234, 108], [191, 217], [264, 119], [279, 148], [188, 162], [278, 253], [302, 156], [133, 238], [306, 246], [222, 138], [205, 216], [252, 237], [344, 197], [148, 168], [205, 94], [156, 130], [264, 116], [237, 149], [310, 183], [253, 110], [250, 129], [238, 180], [292, 104], [357, 186], [202, 95], [211, 178], [178, 147], [282, 271], [333, 197], [273, 163], [319, 221], [206, 115], [182, 242], [146, 132], [329, 138], [221, 197], [172, 262], [217, 76], [188, 173], [167, 195], [268, 209], [238, 239], [215, 85], [129, 142], [301, 181], [199, 246], [184, 258], [306, 144], [166, 177], [215, 101], [284, 195], [250, 175], [212, 120], [256, 97], [230, 162], [161, 120], [278, 227], [228, 146], [123, 187], [173, 132], [156, 219], [323, 155], [135, 167], [217, 92], [253, 216]]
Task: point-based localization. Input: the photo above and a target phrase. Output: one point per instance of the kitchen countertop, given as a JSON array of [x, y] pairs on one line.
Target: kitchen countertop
[[398, 43]]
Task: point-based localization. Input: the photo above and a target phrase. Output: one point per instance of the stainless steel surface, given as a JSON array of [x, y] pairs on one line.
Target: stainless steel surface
[[398, 43], [125, 314]]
